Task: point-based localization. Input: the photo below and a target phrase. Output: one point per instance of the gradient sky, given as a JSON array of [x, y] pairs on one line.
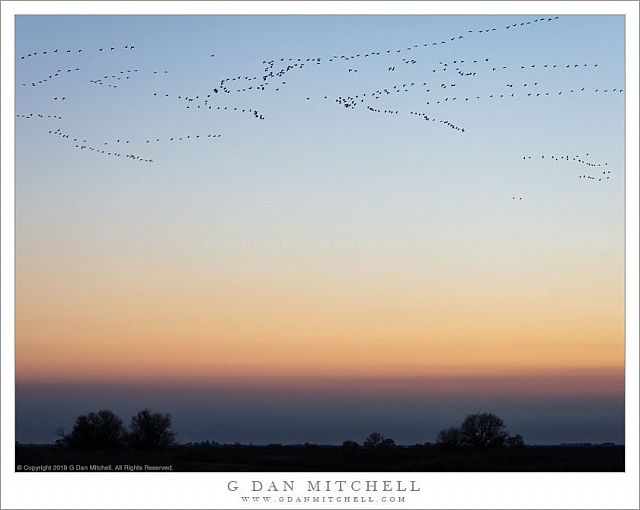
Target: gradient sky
[[326, 263]]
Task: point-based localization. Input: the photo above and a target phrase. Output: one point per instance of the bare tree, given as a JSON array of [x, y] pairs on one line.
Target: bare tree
[[483, 430], [377, 440], [374, 440], [94, 431], [449, 437], [150, 430]]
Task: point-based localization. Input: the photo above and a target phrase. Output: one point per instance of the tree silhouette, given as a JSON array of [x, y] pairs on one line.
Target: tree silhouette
[[449, 437], [95, 431], [373, 440], [350, 444], [483, 430], [150, 430], [377, 440]]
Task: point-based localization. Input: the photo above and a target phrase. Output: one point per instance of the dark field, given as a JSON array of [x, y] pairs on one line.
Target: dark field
[[328, 458]]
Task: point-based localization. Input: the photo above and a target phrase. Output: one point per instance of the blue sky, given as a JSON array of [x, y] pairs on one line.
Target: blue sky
[[289, 155]]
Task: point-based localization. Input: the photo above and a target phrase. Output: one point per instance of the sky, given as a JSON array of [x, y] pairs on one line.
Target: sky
[[330, 269]]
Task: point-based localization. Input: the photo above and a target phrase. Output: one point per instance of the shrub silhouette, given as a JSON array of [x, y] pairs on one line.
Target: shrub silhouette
[[482, 430], [150, 430], [350, 444], [388, 443], [95, 431], [515, 441], [449, 437]]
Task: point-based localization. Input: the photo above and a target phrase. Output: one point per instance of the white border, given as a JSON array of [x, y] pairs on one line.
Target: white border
[[203, 490]]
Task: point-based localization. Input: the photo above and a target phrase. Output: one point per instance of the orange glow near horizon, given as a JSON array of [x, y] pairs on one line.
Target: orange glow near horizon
[[192, 310], [104, 326]]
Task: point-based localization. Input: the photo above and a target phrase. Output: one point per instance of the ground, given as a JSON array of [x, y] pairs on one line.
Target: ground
[[325, 458]]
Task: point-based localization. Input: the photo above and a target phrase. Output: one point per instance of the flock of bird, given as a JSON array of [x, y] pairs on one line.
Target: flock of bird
[[82, 144], [70, 51], [603, 177], [56, 74], [434, 91], [577, 158], [38, 116], [444, 41], [198, 102], [119, 75], [596, 178], [168, 139], [448, 124]]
